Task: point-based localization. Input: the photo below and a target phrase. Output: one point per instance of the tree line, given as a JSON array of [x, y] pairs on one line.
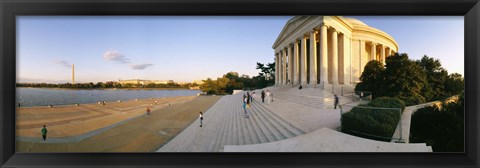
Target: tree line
[[233, 81], [109, 84], [413, 81]]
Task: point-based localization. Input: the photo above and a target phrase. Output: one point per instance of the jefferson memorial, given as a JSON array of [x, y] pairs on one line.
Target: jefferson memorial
[[327, 50]]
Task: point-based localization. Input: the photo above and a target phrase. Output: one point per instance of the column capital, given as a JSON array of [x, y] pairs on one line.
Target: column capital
[[333, 30]]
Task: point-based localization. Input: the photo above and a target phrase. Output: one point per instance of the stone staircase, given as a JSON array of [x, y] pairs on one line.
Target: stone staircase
[[226, 124], [328, 140], [313, 97]]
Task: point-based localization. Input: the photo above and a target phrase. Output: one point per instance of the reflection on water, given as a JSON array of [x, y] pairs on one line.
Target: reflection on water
[[45, 97]]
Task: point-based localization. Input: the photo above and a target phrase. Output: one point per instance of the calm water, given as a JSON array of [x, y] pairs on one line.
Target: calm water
[[45, 97]]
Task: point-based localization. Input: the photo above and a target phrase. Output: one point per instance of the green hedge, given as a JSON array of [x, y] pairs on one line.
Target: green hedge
[[387, 102], [410, 101], [378, 124], [440, 128]]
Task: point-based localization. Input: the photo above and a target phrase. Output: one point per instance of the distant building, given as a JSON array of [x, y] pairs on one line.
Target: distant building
[[144, 82]]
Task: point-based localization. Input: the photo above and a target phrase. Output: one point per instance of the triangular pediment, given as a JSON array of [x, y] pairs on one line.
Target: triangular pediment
[[293, 24]]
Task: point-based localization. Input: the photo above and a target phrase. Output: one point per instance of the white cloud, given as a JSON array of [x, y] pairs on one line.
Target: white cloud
[[140, 66], [114, 55], [64, 63]]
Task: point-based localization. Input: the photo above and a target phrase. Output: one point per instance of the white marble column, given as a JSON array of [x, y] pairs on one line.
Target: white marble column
[[277, 77], [389, 52], [296, 63], [284, 67], [323, 55], [303, 66], [341, 58], [313, 59], [363, 48], [290, 64], [335, 57], [373, 51], [383, 54]]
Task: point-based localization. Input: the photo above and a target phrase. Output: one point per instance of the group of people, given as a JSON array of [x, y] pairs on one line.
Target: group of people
[[250, 98], [267, 95]]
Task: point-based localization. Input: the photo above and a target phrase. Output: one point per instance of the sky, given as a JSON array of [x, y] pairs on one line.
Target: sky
[[187, 48]]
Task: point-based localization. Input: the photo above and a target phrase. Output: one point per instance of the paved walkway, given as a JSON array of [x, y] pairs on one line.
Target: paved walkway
[[403, 126], [290, 121], [328, 140], [143, 133], [318, 113], [70, 121], [226, 124]]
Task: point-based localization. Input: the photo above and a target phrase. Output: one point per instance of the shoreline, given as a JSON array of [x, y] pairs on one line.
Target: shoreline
[[106, 102], [60, 115], [139, 93], [57, 88], [127, 128]]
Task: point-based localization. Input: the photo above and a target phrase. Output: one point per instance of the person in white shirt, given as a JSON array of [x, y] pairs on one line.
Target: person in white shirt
[[201, 118], [268, 96], [253, 96]]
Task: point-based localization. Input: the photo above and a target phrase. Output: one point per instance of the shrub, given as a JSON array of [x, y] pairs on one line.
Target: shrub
[[440, 128], [387, 102], [413, 100], [378, 124]]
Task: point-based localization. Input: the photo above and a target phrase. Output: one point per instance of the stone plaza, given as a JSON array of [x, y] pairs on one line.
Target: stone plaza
[[319, 53]]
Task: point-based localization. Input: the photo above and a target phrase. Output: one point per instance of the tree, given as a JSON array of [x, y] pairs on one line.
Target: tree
[[401, 78], [267, 73], [436, 76], [222, 85], [404, 79], [209, 86], [372, 78], [454, 84], [233, 82]]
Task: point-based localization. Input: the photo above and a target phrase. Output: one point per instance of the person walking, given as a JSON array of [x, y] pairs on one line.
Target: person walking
[[268, 96], [271, 96], [201, 118], [249, 98], [336, 101], [44, 133], [148, 110], [253, 96], [263, 96], [245, 107]]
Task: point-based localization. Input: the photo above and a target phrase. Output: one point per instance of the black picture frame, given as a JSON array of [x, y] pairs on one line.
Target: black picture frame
[[9, 9]]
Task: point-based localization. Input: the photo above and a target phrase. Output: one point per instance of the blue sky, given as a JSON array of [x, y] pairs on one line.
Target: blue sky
[[194, 47]]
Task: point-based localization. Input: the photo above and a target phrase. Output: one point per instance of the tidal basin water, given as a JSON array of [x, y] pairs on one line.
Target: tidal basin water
[[44, 97]]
